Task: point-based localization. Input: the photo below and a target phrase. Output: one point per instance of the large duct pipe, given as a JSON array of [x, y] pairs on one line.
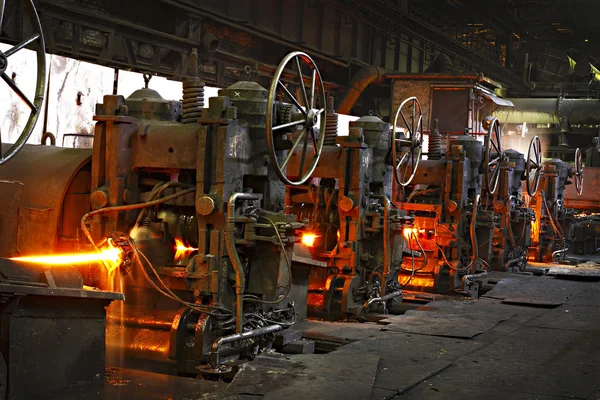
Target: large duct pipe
[[363, 78], [550, 111]]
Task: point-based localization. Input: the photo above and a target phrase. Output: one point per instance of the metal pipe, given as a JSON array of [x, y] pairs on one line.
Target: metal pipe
[[555, 253], [240, 278], [381, 299], [360, 80], [387, 236], [550, 111], [214, 350], [468, 277], [511, 262]]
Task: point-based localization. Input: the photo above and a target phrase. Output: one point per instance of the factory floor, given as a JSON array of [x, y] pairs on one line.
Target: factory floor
[[529, 337]]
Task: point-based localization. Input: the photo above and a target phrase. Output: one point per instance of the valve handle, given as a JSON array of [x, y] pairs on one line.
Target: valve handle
[[307, 144], [36, 40]]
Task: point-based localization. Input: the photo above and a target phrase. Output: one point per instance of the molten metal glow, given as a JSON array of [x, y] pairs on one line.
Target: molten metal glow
[[181, 249], [111, 256], [415, 281], [308, 239], [408, 231]]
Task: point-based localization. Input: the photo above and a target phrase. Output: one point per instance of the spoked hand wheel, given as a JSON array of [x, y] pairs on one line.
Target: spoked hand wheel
[[310, 115], [411, 146], [493, 155], [36, 40], [533, 167], [578, 172]]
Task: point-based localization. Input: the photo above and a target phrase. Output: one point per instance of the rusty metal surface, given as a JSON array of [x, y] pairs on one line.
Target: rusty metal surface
[[46, 173], [9, 215], [156, 145]]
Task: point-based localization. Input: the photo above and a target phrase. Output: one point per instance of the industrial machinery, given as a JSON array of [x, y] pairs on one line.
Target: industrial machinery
[[552, 216], [193, 199], [443, 194], [353, 241], [505, 207], [584, 229]]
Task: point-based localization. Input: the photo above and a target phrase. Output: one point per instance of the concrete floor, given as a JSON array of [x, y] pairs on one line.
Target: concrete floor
[[529, 337]]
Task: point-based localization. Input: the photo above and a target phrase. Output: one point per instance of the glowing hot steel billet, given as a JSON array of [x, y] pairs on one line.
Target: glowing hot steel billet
[[111, 255]]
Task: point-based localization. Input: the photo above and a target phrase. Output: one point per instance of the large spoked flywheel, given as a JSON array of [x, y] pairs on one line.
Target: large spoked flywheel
[[36, 42], [578, 172], [533, 168], [493, 155], [406, 150], [300, 116]]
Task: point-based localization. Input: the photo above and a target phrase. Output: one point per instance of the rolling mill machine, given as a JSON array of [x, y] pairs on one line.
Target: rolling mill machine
[[466, 197], [442, 193], [504, 206], [553, 217], [353, 242], [187, 202], [584, 229], [446, 187]]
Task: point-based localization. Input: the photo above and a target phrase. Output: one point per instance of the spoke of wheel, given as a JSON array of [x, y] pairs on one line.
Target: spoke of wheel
[[311, 132], [414, 116], [16, 89], [406, 123], [401, 161], [319, 112], [312, 89], [495, 146], [303, 89], [291, 152], [288, 125], [292, 98], [494, 179], [305, 146], [18, 47], [493, 162]]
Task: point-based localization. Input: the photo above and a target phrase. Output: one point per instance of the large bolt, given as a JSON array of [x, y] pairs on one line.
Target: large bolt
[[346, 203], [205, 205], [99, 199]]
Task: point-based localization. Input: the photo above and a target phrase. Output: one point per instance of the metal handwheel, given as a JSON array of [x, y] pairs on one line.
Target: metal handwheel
[[493, 155], [311, 116], [37, 41], [533, 167], [411, 146], [578, 172]]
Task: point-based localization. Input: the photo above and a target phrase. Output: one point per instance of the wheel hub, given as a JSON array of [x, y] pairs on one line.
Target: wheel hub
[[311, 118], [3, 62]]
